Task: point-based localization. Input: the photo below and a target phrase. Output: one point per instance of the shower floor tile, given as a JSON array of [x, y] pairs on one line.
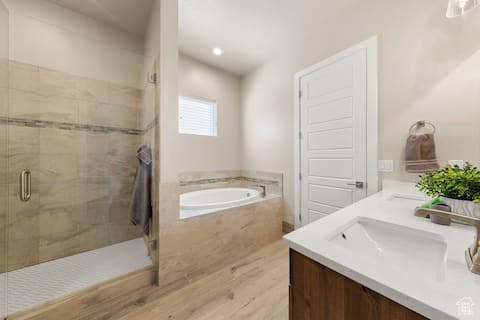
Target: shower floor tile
[[38, 284]]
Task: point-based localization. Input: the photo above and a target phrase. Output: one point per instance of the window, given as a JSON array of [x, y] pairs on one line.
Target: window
[[197, 117]]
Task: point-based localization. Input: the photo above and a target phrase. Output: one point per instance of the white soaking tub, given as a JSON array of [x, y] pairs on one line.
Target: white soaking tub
[[210, 200]]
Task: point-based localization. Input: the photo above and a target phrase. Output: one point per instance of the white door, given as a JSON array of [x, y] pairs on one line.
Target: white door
[[333, 145]]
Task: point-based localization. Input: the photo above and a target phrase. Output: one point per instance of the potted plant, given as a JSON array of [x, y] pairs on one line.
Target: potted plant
[[458, 187]]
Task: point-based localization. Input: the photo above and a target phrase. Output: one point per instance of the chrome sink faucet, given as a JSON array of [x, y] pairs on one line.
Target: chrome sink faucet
[[263, 194], [472, 254]]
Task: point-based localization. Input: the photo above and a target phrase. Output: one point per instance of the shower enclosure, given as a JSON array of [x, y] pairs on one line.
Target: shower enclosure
[[68, 146]]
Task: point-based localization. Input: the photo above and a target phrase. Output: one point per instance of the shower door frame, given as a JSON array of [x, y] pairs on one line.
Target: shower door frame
[[4, 124]]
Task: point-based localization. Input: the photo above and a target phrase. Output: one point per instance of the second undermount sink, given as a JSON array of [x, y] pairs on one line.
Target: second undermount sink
[[404, 250]]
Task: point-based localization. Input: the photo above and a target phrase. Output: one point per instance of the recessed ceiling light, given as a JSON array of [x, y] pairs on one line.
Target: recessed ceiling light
[[217, 51]]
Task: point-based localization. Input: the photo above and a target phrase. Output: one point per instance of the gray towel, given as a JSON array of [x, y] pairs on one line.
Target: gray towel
[[140, 212]]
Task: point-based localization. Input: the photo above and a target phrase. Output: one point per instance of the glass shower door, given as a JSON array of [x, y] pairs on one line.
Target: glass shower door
[[3, 155]]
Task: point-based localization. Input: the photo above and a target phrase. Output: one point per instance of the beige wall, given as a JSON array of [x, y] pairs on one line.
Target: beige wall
[[180, 153], [169, 140], [47, 35], [3, 31], [151, 46], [199, 153], [428, 69]]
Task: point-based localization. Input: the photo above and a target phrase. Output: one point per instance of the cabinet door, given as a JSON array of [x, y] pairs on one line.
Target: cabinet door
[[298, 307], [318, 293], [364, 303]]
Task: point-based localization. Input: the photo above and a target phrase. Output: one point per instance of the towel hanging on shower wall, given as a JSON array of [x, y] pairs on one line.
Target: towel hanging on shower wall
[[420, 155], [140, 212]]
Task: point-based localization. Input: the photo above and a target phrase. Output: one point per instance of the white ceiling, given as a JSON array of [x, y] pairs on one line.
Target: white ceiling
[[127, 15], [248, 31]]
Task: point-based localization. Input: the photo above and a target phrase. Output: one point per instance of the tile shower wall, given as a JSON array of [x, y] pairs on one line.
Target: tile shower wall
[[79, 138]]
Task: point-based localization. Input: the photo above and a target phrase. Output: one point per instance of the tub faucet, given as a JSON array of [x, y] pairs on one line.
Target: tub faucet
[[263, 194], [472, 254]]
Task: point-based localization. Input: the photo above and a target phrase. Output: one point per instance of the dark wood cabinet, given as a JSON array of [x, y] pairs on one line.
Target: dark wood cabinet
[[319, 293]]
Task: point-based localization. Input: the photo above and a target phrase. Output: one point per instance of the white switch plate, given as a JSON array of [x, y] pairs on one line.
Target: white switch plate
[[385, 165], [460, 163]]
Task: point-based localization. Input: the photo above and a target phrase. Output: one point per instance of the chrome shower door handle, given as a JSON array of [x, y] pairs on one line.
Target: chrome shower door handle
[[25, 185]]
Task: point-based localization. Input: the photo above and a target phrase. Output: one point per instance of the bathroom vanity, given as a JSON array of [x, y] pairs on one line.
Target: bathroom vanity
[[377, 260]]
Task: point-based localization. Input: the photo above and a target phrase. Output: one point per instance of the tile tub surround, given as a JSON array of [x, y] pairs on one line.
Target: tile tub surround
[[193, 181], [79, 138], [287, 227], [192, 248], [271, 180]]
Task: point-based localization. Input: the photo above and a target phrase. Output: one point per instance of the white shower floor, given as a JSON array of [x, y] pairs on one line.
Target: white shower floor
[[37, 284]]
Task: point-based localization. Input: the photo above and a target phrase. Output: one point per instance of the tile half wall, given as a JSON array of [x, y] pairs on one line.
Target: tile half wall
[[190, 249]]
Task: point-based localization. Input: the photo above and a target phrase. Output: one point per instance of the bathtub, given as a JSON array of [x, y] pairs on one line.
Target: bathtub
[[211, 200]]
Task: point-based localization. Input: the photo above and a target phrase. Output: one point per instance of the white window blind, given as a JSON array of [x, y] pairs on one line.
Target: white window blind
[[197, 116]]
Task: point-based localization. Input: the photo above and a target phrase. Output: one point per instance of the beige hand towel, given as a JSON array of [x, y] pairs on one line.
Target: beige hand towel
[[420, 153]]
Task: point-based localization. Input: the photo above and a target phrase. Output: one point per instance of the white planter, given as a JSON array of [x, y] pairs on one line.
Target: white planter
[[463, 207]]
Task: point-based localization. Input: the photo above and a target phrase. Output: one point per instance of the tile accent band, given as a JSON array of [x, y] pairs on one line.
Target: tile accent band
[[75, 126], [228, 179]]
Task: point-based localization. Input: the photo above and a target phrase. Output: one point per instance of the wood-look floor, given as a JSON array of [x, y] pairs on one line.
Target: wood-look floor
[[255, 287]]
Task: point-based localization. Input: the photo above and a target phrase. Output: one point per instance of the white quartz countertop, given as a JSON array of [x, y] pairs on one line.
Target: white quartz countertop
[[434, 298]]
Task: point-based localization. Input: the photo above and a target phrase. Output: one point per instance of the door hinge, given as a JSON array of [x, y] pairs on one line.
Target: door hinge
[[300, 217], [152, 244], [300, 94], [299, 176], [152, 77], [300, 135]]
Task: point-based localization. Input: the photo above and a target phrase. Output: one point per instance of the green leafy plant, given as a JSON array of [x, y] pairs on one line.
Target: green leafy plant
[[452, 182]]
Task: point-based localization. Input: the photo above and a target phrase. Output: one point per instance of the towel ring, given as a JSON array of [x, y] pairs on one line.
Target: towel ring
[[421, 124]]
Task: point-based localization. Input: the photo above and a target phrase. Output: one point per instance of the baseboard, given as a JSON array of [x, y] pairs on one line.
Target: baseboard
[[287, 227], [95, 302]]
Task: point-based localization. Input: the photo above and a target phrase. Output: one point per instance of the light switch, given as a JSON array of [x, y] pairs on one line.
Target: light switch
[[459, 163], [385, 165]]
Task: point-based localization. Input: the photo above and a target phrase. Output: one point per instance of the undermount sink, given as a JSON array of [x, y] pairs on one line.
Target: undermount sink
[[404, 250]]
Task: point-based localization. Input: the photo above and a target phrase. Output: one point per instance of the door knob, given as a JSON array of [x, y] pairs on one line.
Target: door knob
[[357, 184]]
